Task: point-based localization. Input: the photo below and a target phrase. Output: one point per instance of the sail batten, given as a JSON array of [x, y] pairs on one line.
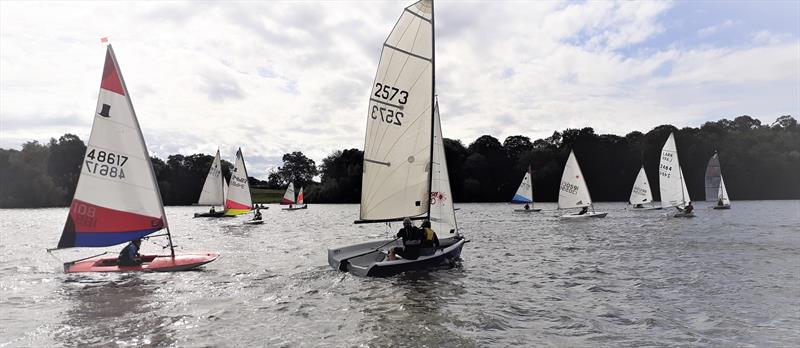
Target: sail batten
[[117, 198]]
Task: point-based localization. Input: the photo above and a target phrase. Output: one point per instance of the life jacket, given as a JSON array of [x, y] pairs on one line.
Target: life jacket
[[428, 237]]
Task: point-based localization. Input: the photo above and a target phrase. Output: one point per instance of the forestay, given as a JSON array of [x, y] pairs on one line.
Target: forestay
[[239, 200], [213, 188], [443, 216], [573, 192], [288, 196], [397, 150], [641, 189], [117, 198], [525, 190], [670, 177]]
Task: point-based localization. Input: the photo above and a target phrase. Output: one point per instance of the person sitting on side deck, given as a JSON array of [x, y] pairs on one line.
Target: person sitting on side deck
[[527, 207], [412, 239], [129, 256], [583, 211], [257, 215], [430, 242]]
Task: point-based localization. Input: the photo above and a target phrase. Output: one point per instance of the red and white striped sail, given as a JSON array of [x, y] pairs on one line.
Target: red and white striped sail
[[117, 198], [238, 200], [288, 197], [300, 197]]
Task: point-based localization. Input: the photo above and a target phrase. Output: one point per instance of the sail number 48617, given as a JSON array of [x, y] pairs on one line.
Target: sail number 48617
[[106, 163]]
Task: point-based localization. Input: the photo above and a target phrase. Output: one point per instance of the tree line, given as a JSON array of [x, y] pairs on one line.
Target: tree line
[[758, 162]]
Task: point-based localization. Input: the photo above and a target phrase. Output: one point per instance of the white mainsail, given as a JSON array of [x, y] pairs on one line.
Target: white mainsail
[[443, 216], [641, 193], [213, 188], [524, 192], [288, 196], [723, 193], [117, 197], [573, 192], [239, 200], [397, 150], [670, 177]]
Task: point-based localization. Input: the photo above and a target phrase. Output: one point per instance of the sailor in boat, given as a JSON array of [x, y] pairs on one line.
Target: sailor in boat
[[212, 211], [583, 211], [257, 215], [430, 242], [129, 256], [527, 207], [412, 241], [719, 203], [688, 209]]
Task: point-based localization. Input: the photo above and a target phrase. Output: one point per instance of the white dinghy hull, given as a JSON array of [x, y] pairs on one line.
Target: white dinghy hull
[[584, 216]]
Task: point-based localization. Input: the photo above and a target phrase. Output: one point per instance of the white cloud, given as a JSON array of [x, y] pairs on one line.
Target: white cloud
[[281, 77], [713, 29]]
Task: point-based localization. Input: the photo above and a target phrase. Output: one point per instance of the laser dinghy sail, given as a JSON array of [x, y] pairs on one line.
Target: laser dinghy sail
[[399, 177], [670, 180], [524, 194], [213, 192], [573, 192], [715, 185], [641, 194], [117, 198]]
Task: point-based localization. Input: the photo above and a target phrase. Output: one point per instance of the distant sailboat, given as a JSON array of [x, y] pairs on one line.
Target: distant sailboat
[[403, 175], [289, 197], [670, 179], [239, 200], [117, 199], [641, 194], [573, 192], [715, 185], [214, 188], [524, 194]]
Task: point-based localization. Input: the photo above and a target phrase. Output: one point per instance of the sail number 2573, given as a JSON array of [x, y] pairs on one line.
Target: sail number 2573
[[106, 163]]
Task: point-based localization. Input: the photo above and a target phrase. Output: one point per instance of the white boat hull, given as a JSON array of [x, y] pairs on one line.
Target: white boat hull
[[587, 215]]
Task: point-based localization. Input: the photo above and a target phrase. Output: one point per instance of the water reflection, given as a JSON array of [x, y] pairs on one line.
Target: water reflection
[[118, 310]]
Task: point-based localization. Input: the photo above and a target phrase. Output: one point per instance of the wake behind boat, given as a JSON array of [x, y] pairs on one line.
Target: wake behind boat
[[117, 198], [404, 169]]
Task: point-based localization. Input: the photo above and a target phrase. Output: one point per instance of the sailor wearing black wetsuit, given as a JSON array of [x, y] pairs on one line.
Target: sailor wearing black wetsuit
[[130, 255]]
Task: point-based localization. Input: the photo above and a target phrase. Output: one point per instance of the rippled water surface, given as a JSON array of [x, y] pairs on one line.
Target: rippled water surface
[[724, 278]]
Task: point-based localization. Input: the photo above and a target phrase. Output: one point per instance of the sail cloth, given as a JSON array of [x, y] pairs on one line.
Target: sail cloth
[[213, 188], [713, 178], [443, 215], [641, 193], [397, 150], [525, 190], [670, 177], [300, 196], [288, 196], [117, 198], [239, 200], [573, 192]]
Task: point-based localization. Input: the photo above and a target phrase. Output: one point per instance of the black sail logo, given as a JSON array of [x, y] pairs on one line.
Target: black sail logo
[[105, 111]]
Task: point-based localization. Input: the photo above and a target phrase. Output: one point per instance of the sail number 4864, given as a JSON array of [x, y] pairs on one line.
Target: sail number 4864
[[106, 163]]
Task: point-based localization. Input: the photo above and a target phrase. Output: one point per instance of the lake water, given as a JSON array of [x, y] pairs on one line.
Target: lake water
[[724, 278]]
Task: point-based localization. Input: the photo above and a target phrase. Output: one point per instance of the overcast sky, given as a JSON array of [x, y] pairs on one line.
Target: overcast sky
[[276, 77]]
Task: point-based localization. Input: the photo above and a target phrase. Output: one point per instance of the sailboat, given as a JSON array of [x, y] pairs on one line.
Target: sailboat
[[715, 185], [117, 199], [288, 198], [404, 169], [524, 194], [239, 200], [573, 192], [670, 179], [213, 192], [641, 194]]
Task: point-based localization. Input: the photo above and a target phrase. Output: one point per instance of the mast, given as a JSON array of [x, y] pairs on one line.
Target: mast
[[433, 105], [147, 153]]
